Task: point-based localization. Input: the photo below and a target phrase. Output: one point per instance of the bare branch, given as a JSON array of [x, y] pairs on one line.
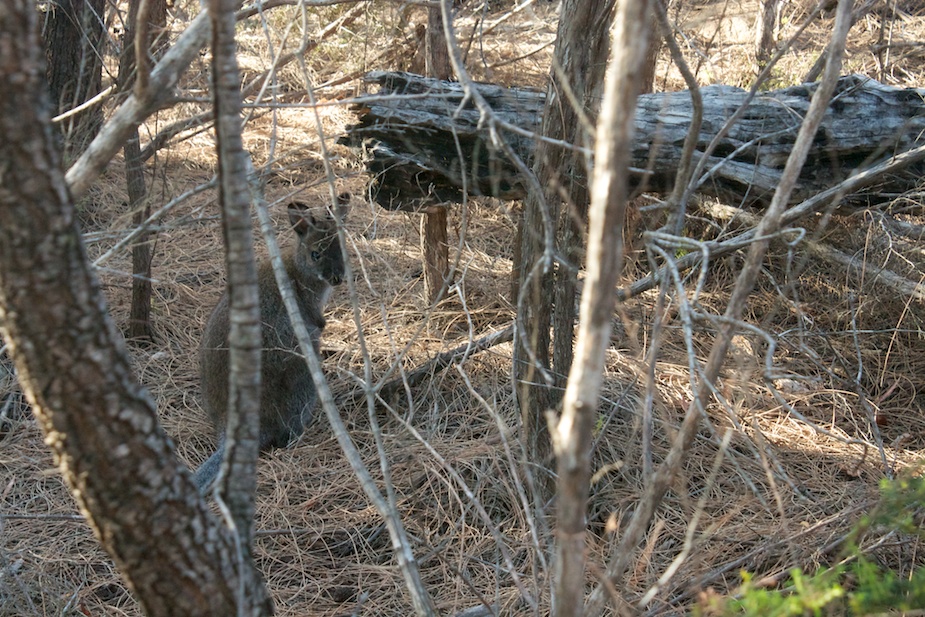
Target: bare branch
[[573, 434], [770, 223]]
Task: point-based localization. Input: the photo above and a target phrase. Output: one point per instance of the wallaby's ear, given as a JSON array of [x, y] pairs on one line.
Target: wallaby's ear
[[300, 218]]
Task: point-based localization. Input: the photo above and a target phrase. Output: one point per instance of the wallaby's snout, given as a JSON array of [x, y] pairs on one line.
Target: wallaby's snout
[[330, 262]]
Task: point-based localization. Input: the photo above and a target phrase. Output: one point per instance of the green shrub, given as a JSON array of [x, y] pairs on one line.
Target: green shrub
[[858, 585]]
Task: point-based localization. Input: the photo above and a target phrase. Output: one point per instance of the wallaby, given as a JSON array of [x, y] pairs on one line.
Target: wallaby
[[288, 395]]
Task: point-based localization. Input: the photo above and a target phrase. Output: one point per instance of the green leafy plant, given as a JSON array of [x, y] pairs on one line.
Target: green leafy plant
[[858, 585]]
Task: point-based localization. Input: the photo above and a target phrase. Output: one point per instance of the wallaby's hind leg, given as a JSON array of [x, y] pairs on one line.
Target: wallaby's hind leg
[[207, 473]]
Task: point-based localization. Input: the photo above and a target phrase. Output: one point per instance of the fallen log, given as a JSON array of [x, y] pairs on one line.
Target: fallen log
[[423, 140]]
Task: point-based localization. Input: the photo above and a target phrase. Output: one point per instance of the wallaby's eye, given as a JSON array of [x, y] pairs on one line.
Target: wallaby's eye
[[316, 255]]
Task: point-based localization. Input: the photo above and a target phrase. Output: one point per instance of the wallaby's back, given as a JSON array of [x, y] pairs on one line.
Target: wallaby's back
[[288, 395]]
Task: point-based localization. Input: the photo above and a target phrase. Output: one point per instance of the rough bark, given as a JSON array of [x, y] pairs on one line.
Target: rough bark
[[437, 58], [867, 122], [436, 249], [766, 27], [412, 157], [99, 422], [237, 479], [434, 242], [647, 82], [585, 79], [73, 38], [139, 324], [581, 45]]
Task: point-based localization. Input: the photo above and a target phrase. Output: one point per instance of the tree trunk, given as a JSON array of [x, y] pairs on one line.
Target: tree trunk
[[581, 51], [73, 38], [766, 28], [436, 249], [867, 123], [237, 480], [649, 67], [434, 243], [139, 324], [99, 422]]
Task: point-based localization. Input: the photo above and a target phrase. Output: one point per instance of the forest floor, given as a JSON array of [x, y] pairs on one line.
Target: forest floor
[[807, 446]]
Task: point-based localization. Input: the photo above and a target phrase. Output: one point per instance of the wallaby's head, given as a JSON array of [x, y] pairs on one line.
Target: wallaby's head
[[318, 250]]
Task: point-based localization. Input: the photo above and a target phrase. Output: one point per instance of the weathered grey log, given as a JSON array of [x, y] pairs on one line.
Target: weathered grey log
[[419, 135]]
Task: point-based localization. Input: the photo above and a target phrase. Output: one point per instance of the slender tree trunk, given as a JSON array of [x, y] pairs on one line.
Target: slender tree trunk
[[237, 479], [139, 324], [139, 38], [73, 38], [436, 249], [531, 342], [649, 67], [434, 242], [72, 363], [573, 435], [766, 29], [580, 58]]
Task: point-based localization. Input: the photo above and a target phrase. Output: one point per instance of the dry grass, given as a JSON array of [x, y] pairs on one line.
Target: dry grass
[[799, 469]]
